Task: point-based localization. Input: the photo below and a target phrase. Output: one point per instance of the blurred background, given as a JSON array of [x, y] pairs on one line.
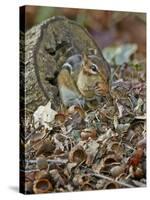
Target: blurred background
[[107, 27]]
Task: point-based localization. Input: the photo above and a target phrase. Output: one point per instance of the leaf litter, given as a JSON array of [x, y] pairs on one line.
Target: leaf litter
[[99, 148]]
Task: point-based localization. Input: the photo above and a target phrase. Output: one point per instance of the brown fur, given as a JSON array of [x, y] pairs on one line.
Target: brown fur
[[87, 83]]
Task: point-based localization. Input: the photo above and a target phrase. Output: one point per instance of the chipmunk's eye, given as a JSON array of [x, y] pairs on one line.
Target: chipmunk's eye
[[94, 68]]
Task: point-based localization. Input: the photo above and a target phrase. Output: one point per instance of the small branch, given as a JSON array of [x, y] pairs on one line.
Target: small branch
[[139, 184], [29, 170], [59, 161], [112, 180]]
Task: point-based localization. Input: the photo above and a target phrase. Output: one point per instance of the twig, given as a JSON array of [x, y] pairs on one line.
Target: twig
[[64, 161], [29, 170], [129, 147], [112, 180], [139, 184]]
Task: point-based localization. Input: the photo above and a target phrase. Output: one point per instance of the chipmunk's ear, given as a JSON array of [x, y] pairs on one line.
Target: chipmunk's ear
[[92, 51]]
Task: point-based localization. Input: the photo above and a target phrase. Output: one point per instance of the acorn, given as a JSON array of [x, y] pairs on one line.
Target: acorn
[[42, 163], [111, 185], [117, 170], [138, 173], [42, 186], [109, 159], [60, 118], [77, 154]]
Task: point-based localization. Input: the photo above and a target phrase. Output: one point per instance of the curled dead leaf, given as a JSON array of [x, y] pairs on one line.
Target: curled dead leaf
[[136, 172], [81, 180], [100, 184], [91, 150], [122, 128], [107, 135], [59, 144], [42, 174], [141, 143], [105, 163], [70, 167], [37, 137], [116, 148], [137, 156], [88, 133], [74, 108], [58, 178], [44, 115], [138, 108], [77, 180], [86, 187], [45, 148]]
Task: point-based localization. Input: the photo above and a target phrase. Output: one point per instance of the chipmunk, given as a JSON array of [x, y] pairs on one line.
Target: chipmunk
[[83, 78]]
